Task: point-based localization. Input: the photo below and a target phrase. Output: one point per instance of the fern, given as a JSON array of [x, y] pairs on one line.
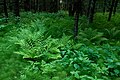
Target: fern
[[112, 33], [90, 35]]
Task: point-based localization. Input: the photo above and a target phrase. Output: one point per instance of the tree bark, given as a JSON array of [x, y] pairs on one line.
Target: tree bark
[[27, 5], [16, 8], [77, 6], [115, 7], [70, 10], [92, 11], [104, 7], [44, 5], [111, 10], [89, 6], [5, 10]]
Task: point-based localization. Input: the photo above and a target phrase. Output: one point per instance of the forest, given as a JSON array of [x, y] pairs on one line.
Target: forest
[[59, 39]]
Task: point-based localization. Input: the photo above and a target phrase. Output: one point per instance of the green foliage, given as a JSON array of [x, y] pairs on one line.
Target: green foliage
[[40, 46], [89, 35], [112, 33]]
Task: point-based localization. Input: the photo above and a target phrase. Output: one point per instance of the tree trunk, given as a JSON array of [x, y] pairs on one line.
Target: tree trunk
[[5, 10], [92, 11], [34, 6], [27, 5], [70, 10], [104, 7], [37, 4], [53, 6], [115, 7], [111, 10], [89, 6], [44, 5], [16, 8], [77, 6]]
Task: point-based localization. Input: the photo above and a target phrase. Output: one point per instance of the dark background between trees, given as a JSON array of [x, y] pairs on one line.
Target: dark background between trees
[[75, 8]]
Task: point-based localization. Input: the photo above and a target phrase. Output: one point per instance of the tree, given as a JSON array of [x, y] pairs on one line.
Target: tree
[[111, 10], [16, 8], [115, 6], [89, 6], [92, 11], [104, 6], [76, 9], [44, 5], [70, 9], [53, 6], [27, 5], [5, 10]]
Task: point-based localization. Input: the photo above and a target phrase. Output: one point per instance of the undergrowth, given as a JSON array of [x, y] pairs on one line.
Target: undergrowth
[[41, 47]]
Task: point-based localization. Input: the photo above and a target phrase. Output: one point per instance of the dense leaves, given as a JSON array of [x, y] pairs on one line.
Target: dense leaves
[[47, 50]]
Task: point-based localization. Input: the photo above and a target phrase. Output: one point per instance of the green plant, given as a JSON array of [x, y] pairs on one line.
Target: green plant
[[112, 33], [45, 49], [89, 35]]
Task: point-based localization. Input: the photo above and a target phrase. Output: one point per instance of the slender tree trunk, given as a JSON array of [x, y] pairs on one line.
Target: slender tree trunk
[[104, 7], [34, 6], [92, 11], [77, 6], [71, 13], [56, 6], [16, 8], [30, 5], [115, 7], [27, 5], [37, 3], [76, 25], [5, 10], [89, 6], [44, 5], [111, 10]]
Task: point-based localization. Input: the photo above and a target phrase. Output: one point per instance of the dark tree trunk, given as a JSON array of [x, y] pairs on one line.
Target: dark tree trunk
[[71, 12], [104, 7], [111, 10], [37, 3], [76, 25], [27, 5], [77, 7], [16, 8], [34, 6], [44, 5], [5, 10], [92, 11], [58, 4], [30, 5], [10, 5], [53, 6], [89, 6], [115, 7]]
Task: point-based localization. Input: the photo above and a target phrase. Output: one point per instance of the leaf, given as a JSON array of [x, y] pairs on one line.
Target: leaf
[[118, 63], [117, 71], [96, 37], [54, 50], [77, 46], [23, 54], [116, 33], [75, 73], [76, 66], [53, 56]]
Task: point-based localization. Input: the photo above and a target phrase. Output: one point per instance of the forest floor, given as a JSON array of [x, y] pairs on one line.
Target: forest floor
[[14, 67]]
